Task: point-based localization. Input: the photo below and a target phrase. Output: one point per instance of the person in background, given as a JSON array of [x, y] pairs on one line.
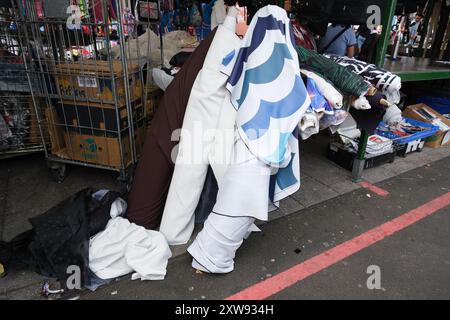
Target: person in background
[[339, 40], [414, 28]]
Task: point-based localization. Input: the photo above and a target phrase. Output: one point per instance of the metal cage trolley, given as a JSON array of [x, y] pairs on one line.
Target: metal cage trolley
[[93, 75], [19, 129]]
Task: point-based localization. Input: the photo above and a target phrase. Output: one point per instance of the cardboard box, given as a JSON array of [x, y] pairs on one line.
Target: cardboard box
[[424, 113], [103, 151], [154, 96], [93, 80], [87, 148], [55, 132]]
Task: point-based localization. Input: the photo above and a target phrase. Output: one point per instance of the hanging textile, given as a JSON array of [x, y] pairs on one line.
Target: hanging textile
[[347, 82], [97, 9], [113, 9], [128, 21], [389, 83], [218, 14], [154, 171], [265, 84], [303, 37]]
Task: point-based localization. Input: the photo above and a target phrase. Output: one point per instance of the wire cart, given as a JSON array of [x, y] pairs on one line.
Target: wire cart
[[93, 75], [19, 129]]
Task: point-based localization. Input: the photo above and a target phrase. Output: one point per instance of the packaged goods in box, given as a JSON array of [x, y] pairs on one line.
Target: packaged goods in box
[[96, 118], [426, 114], [93, 80]]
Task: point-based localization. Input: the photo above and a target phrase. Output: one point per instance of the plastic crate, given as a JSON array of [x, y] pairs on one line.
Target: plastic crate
[[440, 104], [432, 130], [345, 158]]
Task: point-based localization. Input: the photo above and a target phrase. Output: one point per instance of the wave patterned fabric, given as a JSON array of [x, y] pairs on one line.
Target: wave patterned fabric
[[268, 93]]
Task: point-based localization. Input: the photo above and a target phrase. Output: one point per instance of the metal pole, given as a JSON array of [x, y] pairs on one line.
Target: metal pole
[[114, 86], [426, 21], [384, 38], [127, 85], [358, 164]]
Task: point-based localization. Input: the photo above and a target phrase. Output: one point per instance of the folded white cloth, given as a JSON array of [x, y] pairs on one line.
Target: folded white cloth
[[124, 247]]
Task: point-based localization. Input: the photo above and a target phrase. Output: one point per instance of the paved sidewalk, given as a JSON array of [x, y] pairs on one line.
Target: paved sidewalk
[[26, 190]]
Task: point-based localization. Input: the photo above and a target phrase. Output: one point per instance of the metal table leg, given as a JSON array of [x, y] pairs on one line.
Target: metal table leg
[[358, 164]]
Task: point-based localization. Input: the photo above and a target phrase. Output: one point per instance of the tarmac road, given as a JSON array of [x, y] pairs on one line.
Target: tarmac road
[[332, 250]]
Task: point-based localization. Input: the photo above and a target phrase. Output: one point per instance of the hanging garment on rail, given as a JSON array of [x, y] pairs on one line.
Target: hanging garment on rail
[[207, 108], [389, 83], [219, 14], [344, 80], [154, 171]]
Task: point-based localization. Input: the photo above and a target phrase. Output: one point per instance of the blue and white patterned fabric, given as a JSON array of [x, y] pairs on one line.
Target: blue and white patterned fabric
[[269, 96]]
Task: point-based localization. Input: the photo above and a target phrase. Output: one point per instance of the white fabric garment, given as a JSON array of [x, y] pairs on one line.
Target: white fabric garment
[[124, 247], [207, 105], [215, 247], [309, 125], [330, 93], [219, 13], [393, 115], [245, 187], [243, 191], [361, 103], [161, 78], [118, 208]]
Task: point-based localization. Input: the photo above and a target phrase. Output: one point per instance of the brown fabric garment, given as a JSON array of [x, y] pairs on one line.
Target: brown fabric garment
[[154, 172]]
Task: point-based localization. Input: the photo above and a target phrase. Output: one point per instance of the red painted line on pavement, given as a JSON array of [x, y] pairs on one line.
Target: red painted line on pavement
[[374, 189], [285, 279]]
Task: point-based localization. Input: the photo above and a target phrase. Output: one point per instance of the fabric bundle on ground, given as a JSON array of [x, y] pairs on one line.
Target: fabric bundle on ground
[[60, 237], [271, 99], [207, 107], [124, 247], [154, 171], [389, 83], [346, 81]]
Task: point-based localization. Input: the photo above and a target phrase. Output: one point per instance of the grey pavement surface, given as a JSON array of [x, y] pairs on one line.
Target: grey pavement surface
[[414, 262], [26, 190]]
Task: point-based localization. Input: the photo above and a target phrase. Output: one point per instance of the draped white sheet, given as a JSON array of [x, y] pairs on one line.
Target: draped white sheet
[[199, 145]]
